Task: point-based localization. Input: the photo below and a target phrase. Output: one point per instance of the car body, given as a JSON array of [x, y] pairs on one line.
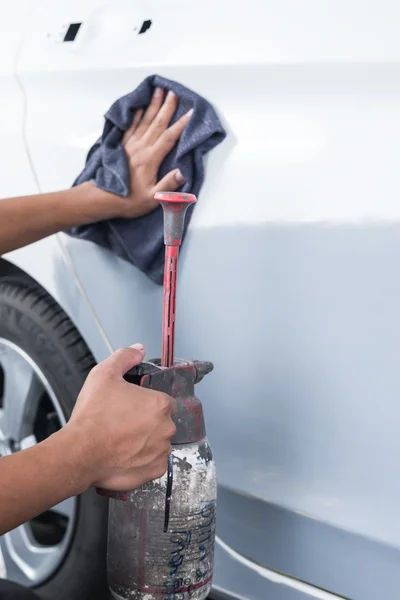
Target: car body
[[288, 278]]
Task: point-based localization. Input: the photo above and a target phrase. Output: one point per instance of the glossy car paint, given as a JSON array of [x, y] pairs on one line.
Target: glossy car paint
[[288, 276]]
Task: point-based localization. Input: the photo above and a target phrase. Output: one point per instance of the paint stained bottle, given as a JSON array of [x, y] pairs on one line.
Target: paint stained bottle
[[162, 536]]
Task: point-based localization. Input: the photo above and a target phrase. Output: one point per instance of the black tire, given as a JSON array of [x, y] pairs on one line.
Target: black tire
[[31, 319]]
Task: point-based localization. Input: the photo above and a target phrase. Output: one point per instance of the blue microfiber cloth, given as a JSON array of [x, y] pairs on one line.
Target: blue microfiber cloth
[[141, 240]]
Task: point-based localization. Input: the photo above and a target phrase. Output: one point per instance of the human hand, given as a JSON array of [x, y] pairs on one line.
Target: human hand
[[147, 142], [122, 432]]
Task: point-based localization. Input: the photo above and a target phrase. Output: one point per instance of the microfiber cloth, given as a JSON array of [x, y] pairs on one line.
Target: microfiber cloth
[[141, 240]]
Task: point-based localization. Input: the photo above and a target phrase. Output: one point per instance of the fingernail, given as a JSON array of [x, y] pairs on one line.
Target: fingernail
[[171, 94], [139, 347], [180, 178], [189, 113], [157, 92]]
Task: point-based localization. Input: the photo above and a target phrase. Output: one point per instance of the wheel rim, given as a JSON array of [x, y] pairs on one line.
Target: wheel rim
[[29, 412]]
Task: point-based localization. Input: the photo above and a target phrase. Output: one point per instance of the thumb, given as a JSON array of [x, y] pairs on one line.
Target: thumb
[[171, 182], [125, 358]]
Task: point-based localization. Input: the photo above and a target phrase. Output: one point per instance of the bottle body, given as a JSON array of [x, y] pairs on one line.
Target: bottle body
[[147, 563]]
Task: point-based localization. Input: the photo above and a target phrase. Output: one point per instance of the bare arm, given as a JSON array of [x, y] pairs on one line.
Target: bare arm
[[118, 437], [27, 219], [38, 478]]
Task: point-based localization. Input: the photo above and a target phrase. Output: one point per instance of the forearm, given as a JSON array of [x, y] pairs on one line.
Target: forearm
[[26, 219], [34, 480]]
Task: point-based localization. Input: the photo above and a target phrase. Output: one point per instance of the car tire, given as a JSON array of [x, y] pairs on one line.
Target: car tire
[[31, 320]]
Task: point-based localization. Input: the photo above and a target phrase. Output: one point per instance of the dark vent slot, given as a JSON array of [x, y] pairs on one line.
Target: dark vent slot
[[145, 26], [72, 32]]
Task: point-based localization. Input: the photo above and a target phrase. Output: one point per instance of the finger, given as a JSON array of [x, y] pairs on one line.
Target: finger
[[171, 432], [166, 404], [171, 182], [151, 112], [136, 120], [170, 137], [162, 119], [125, 358], [160, 468]]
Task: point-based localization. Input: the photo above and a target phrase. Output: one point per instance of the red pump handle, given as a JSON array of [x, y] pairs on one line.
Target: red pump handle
[[174, 205]]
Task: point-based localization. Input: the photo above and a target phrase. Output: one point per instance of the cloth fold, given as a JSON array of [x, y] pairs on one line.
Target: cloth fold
[[141, 240]]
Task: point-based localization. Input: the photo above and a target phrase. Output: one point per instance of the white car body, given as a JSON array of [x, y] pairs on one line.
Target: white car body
[[288, 279]]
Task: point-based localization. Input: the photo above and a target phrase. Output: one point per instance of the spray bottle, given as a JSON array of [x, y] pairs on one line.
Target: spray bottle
[[161, 536]]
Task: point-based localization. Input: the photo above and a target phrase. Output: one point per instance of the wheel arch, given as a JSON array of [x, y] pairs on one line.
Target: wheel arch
[[43, 265], [10, 270]]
